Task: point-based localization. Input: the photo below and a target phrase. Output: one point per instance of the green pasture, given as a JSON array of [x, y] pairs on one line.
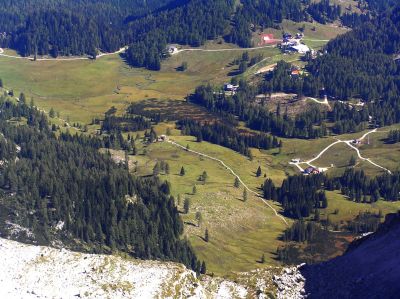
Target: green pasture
[[83, 89], [240, 232]]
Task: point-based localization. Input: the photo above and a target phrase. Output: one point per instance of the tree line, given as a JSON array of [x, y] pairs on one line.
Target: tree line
[[308, 124], [101, 207], [302, 195], [56, 27], [227, 136], [393, 136]]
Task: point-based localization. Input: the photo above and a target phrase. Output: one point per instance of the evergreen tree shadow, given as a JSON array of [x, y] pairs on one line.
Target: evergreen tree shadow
[[189, 223]]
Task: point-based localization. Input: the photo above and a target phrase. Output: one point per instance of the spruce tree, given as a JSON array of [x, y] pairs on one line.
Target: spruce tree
[[52, 113], [22, 98], [206, 235], [182, 173], [204, 176], [127, 160], [134, 150], [156, 169], [167, 168], [352, 161], [186, 205], [199, 218], [317, 216], [236, 184], [245, 195], [203, 269], [258, 172]]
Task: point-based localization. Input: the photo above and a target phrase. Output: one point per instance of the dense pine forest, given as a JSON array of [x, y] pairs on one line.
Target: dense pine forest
[[56, 27], [310, 124], [264, 13], [59, 27], [63, 188], [359, 64]]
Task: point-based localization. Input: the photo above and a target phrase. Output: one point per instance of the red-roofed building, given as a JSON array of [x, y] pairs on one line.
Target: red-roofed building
[[266, 39], [295, 73]]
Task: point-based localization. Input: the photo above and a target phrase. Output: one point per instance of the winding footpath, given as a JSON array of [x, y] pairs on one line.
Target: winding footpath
[[222, 50], [350, 144], [121, 50], [238, 177], [324, 102]]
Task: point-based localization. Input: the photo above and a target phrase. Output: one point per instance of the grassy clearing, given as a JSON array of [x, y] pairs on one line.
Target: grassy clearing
[[240, 232], [312, 31], [84, 89], [348, 210], [81, 90], [386, 155]]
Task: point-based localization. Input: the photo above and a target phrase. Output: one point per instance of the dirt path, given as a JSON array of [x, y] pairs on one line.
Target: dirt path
[[349, 143], [270, 67], [121, 50], [238, 177], [324, 102], [316, 40], [222, 50]]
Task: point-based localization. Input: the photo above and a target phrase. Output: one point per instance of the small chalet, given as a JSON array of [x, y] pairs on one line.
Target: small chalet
[[162, 138], [311, 170], [172, 49], [295, 73], [230, 87]]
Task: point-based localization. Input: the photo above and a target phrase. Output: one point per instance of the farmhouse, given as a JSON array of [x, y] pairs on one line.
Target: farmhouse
[[311, 170], [230, 87], [172, 50], [287, 37], [162, 138], [299, 35]]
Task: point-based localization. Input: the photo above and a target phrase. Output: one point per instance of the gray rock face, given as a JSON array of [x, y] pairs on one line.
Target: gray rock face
[[290, 283]]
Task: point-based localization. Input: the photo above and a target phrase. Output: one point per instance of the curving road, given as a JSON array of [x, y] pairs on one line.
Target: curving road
[[349, 143], [222, 50], [238, 177]]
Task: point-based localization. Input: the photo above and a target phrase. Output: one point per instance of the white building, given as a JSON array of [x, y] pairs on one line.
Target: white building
[[300, 48], [172, 50]]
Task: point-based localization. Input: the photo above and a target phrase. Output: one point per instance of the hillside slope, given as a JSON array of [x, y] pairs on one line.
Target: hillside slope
[[369, 269]]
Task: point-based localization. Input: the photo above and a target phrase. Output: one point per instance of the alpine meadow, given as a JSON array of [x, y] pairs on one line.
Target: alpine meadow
[[199, 148]]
